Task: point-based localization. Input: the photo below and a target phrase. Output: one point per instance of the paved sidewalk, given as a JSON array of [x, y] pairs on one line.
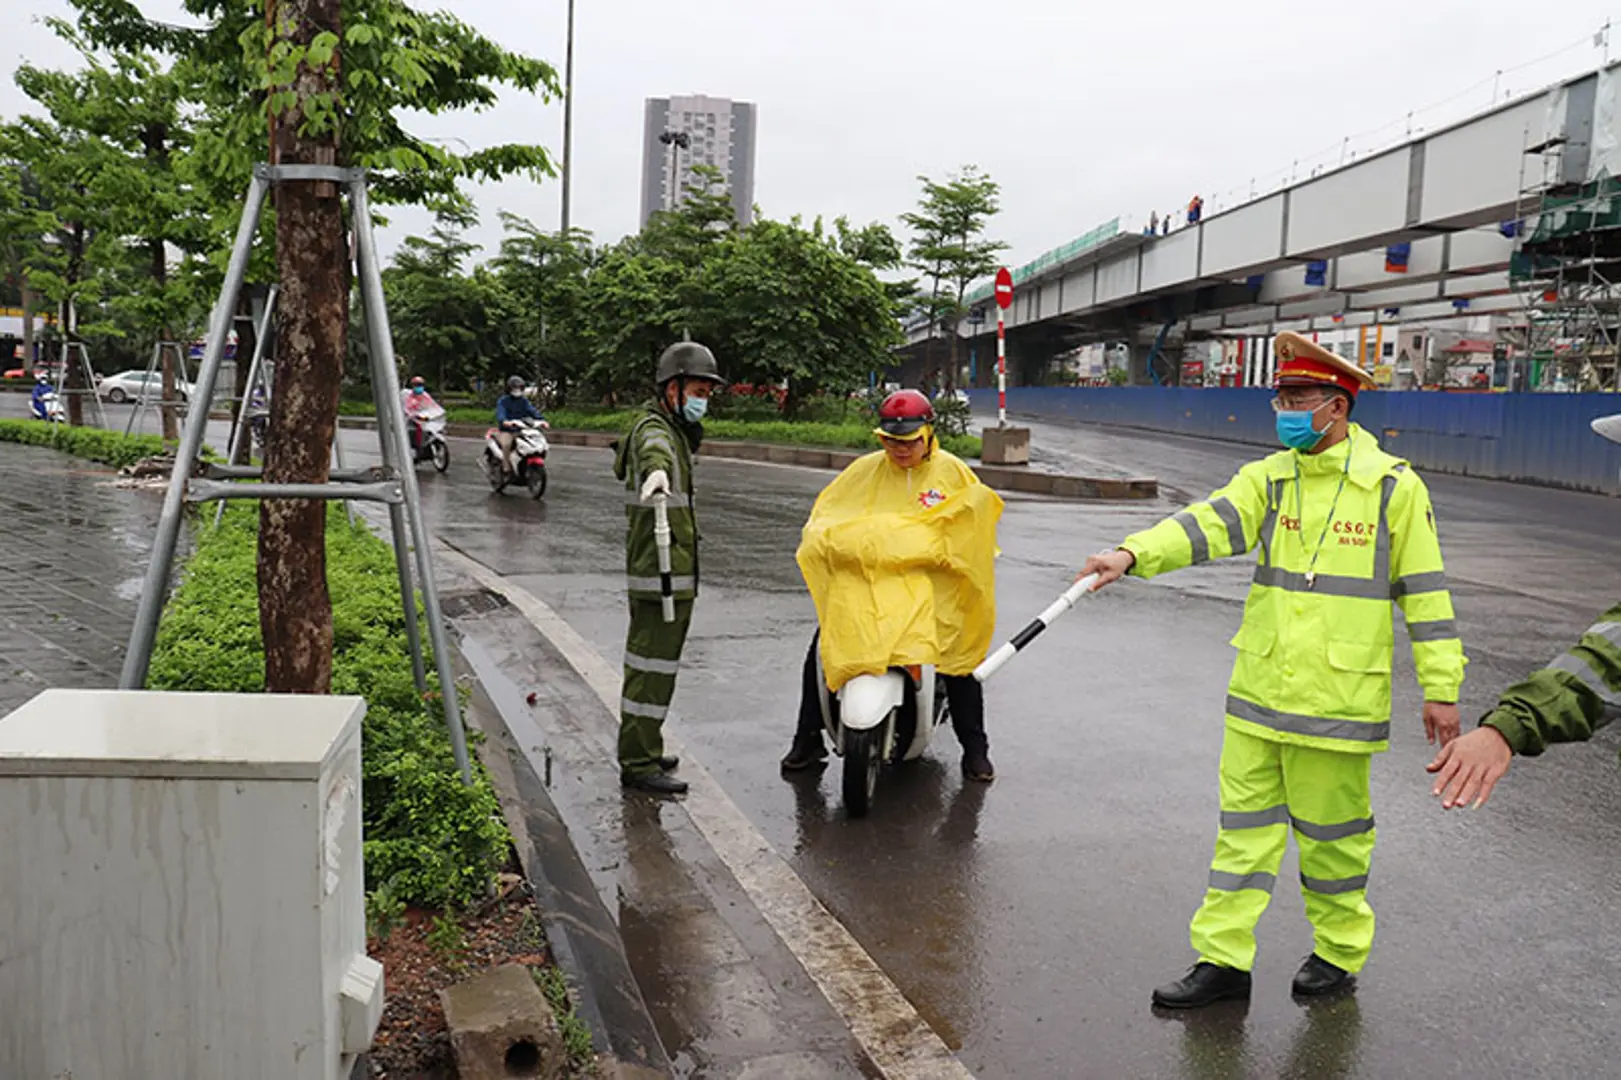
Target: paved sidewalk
[[73, 547]]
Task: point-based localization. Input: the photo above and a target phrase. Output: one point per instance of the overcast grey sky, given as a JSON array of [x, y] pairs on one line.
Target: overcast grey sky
[[1081, 111]]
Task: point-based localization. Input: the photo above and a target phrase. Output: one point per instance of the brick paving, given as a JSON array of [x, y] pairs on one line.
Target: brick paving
[[73, 547]]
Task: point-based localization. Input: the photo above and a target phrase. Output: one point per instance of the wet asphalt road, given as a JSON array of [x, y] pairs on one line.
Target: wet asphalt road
[[1028, 921]]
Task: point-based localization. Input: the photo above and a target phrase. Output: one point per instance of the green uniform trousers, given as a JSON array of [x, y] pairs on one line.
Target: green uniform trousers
[[1267, 788], [652, 660]]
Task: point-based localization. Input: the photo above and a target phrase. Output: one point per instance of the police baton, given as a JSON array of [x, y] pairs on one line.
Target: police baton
[[1071, 596], [661, 540]]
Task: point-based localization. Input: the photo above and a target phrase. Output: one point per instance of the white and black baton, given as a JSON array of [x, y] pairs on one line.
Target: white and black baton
[[661, 540], [1072, 596]]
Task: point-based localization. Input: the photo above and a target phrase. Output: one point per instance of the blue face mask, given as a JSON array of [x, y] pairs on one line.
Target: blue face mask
[[1295, 430], [419, 389], [695, 409]]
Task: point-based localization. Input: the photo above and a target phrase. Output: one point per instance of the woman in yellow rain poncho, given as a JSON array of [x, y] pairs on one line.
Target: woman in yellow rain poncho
[[899, 557]]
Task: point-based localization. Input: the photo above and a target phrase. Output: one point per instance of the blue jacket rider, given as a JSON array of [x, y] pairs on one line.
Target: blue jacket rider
[[510, 408], [36, 403]]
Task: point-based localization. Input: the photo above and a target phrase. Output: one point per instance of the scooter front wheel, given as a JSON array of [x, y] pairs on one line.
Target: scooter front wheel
[[537, 481], [863, 757], [441, 455]]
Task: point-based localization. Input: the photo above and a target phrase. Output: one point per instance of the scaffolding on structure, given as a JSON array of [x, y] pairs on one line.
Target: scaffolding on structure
[[1567, 270]]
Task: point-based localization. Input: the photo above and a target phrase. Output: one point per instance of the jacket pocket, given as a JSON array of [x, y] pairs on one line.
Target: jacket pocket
[[1256, 640], [1364, 657]]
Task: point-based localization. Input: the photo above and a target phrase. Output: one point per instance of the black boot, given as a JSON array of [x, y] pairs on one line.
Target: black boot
[[966, 698], [807, 752], [654, 783], [1205, 984], [669, 762], [1317, 977]]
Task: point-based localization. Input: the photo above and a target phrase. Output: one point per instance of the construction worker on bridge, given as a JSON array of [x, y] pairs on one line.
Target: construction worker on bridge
[[1343, 531]]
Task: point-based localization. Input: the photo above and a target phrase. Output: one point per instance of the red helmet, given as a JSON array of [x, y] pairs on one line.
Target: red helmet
[[904, 414]]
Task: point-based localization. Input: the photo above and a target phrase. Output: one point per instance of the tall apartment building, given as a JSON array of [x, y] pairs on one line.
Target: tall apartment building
[[719, 131]]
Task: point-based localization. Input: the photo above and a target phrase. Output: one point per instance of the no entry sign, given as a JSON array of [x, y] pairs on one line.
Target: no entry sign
[[1004, 288]]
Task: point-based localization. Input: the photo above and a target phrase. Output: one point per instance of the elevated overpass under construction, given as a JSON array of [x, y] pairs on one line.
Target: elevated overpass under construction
[[1515, 211]]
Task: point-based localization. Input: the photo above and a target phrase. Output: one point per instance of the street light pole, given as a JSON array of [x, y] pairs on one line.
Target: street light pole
[[568, 113]]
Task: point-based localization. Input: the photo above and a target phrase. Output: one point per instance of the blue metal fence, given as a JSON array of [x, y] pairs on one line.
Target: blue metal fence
[[1537, 438]]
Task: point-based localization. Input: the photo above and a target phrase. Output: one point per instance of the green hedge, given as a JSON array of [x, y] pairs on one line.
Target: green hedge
[[110, 447], [429, 839]]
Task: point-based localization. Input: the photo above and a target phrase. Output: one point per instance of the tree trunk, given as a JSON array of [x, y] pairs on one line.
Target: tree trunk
[[73, 378], [155, 138], [295, 609], [29, 359], [160, 276], [247, 340]]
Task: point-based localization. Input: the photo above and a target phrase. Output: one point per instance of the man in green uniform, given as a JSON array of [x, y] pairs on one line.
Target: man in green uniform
[[1344, 533], [655, 461], [1564, 702]]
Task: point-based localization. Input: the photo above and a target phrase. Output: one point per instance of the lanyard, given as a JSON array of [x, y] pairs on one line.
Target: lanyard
[[1300, 516]]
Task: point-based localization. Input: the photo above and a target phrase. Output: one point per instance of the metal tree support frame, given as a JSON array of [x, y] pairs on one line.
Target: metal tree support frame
[[146, 385], [394, 483], [77, 349]]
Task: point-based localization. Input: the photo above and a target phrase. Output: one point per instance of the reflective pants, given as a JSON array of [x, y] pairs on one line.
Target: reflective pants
[[652, 659], [1267, 788]]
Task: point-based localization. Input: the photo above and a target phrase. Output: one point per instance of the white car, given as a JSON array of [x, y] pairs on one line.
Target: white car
[[127, 386]]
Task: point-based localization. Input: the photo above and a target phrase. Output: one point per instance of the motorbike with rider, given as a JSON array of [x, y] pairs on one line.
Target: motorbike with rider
[[899, 556], [425, 424]]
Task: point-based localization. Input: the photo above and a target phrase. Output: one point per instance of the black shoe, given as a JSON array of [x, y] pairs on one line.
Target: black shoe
[[669, 763], [655, 783], [1317, 977], [1205, 984], [978, 767], [807, 752]]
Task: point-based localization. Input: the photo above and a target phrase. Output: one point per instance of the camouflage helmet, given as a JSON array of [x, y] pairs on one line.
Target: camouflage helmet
[[688, 359]]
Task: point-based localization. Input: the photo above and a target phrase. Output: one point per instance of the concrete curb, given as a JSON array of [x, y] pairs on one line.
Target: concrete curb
[[583, 938], [1000, 477]]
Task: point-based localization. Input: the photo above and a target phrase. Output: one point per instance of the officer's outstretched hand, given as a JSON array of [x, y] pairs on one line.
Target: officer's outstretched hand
[[1108, 566], [1469, 767], [657, 483]]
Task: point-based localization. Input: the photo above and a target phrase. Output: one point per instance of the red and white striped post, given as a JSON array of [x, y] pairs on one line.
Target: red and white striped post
[[1004, 300]]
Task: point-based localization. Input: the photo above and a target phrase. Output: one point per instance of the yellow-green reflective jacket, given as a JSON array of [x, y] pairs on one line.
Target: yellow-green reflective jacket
[[1315, 646]]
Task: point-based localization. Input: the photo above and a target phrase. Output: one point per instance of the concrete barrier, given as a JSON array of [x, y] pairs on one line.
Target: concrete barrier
[[1002, 478]]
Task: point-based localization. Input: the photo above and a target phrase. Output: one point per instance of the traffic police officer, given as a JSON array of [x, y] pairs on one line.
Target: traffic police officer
[[1342, 530], [1567, 701], [654, 460]]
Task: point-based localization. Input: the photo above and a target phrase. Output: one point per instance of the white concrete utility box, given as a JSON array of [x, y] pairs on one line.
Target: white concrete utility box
[[181, 890]]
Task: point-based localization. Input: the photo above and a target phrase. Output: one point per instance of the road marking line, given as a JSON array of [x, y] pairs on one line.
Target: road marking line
[[898, 1039]]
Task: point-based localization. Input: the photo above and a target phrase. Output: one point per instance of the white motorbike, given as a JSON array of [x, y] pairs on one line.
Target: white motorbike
[[878, 720], [430, 437], [529, 451], [54, 412]]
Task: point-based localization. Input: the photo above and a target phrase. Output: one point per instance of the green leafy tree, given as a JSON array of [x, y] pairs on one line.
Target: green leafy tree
[[450, 326], [545, 277], [950, 250], [784, 305]]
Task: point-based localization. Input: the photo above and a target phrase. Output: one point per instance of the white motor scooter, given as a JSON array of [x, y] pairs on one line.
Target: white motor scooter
[[529, 450], [430, 436], [54, 412], [873, 721]]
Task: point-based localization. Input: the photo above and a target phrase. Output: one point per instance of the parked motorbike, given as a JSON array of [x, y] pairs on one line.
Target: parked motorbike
[[430, 437], [874, 720], [529, 450]]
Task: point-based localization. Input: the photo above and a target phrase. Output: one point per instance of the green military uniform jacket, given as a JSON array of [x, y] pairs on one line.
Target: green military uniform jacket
[[1570, 698], [659, 441]]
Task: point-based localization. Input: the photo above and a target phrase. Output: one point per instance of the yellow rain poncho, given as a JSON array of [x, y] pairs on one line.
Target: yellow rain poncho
[[900, 563]]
